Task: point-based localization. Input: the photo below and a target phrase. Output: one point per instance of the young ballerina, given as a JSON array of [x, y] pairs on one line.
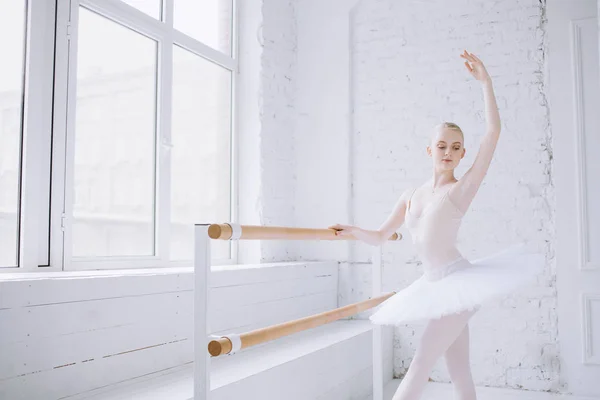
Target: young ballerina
[[452, 288]]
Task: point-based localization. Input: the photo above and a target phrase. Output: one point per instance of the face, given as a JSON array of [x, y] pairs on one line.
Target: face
[[446, 148]]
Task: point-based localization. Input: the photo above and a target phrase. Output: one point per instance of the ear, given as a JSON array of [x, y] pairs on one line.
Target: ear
[[464, 152], [429, 151]]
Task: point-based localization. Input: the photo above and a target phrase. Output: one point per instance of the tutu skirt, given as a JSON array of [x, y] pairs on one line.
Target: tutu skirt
[[462, 285]]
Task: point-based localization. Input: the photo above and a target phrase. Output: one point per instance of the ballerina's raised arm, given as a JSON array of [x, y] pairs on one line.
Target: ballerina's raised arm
[[463, 192]]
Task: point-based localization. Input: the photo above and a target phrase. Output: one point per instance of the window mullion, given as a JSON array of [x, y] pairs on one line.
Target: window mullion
[[163, 181], [59, 129], [168, 13], [37, 117], [67, 38], [204, 50], [127, 16], [235, 149]]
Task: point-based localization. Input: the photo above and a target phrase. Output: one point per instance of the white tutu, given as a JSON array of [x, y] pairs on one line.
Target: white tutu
[[459, 286]]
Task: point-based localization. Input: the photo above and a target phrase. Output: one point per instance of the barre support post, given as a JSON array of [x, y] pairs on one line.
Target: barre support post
[[202, 261]]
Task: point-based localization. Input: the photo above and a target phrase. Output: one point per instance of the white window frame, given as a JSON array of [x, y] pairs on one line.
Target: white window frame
[[34, 247], [64, 123]]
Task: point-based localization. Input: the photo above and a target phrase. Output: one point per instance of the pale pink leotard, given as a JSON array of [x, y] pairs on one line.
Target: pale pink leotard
[[434, 234]]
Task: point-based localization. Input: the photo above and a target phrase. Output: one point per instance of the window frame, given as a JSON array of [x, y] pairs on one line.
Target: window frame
[[64, 122], [34, 210]]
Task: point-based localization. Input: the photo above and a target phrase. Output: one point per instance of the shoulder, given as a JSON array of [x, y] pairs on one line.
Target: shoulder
[[405, 196], [409, 192], [403, 199]]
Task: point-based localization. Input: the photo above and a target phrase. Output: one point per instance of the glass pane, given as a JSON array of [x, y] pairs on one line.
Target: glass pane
[[208, 21], [114, 172], [201, 135], [12, 48], [151, 7]]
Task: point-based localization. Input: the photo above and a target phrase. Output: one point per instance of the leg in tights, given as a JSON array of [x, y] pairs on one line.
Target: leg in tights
[[437, 337], [459, 367]]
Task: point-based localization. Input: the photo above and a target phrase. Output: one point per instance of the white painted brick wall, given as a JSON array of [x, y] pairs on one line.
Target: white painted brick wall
[[407, 77], [278, 115]]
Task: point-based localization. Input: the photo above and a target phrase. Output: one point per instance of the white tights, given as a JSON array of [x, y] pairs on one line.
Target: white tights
[[448, 336]]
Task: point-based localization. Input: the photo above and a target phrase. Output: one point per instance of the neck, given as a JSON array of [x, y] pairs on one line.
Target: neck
[[442, 178]]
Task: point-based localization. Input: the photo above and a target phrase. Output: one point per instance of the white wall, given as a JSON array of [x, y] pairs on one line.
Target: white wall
[[62, 335], [266, 123], [322, 145], [404, 76], [278, 114], [248, 125]]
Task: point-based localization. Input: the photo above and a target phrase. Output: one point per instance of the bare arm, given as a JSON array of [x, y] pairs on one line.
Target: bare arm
[[381, 235], [396, 218], [466, 188]]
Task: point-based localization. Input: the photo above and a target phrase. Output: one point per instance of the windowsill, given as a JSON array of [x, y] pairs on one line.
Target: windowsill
[[23, 276]]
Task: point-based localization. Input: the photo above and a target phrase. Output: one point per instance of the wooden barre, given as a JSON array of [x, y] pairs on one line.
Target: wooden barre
[[223, 345], [253, 232]]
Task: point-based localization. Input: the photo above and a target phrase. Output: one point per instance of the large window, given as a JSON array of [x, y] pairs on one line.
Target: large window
[[149, 129], [116, 131]]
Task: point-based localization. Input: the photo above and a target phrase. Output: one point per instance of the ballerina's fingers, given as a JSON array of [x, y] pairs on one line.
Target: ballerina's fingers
[[341, 230], [469, 57], [337, 226], [476, 58]]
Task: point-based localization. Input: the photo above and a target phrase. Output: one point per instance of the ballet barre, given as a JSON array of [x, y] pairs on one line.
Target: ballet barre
[[253, 232], [207, 346], [225, 344]]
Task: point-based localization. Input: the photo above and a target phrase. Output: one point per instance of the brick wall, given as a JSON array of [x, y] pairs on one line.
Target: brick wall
[[406, 77]]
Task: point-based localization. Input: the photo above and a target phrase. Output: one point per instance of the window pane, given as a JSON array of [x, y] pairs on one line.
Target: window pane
[[150, 7], [201, 135], [208, 21], [12, 48], [114, 172]]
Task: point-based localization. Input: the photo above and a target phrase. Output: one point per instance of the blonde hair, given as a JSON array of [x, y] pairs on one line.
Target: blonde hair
[[452, 126]]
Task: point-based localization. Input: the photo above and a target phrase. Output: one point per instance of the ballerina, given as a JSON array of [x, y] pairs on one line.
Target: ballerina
[[452, 288]]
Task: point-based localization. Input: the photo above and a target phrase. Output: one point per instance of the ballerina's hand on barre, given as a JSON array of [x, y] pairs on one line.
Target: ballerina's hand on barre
[[370, 237], [344, 230]]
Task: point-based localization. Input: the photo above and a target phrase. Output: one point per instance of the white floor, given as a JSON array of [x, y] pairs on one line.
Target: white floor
[[439, 391]]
